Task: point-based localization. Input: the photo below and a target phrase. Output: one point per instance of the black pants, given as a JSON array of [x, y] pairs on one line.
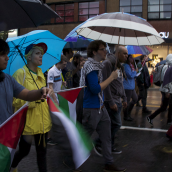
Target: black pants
[[24, 149], [164, 105], [142, 95], [130, 94]]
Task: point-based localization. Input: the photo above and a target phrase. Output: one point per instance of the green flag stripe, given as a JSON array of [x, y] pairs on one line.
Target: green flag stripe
[[65, 109], [84, 137], [5, 158], [63, 104]]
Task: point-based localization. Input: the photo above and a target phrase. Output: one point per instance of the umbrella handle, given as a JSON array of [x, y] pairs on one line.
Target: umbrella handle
[[135, 64], [107, 47], [118, 45]]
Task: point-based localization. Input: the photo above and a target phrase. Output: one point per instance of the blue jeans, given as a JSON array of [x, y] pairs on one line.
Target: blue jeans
[[116, 123]]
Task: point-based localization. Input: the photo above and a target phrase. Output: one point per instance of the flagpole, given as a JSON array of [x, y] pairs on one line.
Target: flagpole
[[69, 89], [25, 105]]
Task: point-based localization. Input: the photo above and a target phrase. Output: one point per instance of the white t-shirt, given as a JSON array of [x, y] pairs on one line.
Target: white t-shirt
[[54, 77]]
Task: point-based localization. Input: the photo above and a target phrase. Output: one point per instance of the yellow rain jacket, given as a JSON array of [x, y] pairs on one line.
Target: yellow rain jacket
[[38, 120]]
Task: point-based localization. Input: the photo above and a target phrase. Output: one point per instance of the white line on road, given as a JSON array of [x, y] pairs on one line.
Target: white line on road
[[143, 129], [155, 96]]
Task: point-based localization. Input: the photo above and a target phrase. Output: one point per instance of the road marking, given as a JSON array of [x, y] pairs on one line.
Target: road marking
[[155, 96], [152, 106], [143, 129]]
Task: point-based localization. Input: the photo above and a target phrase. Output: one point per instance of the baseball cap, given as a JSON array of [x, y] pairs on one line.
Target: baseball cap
[[42, 45]]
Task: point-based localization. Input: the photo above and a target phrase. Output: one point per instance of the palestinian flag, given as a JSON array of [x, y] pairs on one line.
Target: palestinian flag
[[10, 132], [67, 101], [70, 136]]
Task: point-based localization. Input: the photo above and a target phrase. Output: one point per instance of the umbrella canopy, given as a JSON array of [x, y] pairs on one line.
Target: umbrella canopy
[[161, 62], [145, 50], [167, 77], [18, 45], [138, 59], [24, 13], [78, 45], [136, 55], [77, 42], [120, 28]]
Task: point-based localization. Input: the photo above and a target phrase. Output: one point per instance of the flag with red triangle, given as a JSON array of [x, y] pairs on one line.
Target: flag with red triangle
[[67, 101], [70, 136], [10, 132]]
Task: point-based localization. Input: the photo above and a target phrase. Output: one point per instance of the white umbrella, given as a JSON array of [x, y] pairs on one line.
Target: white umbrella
[[120, 28]]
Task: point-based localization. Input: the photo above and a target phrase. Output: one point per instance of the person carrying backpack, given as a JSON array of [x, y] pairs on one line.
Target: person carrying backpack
[[166, 95], [157, 75]]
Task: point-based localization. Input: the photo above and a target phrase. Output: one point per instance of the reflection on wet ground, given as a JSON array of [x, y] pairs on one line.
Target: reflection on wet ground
[[143, 150]]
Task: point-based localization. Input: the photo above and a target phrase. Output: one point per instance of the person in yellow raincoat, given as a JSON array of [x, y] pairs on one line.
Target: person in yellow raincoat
[[38, 120]]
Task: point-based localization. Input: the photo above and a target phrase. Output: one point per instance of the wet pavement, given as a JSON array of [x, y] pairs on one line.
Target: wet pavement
[[144, 148]]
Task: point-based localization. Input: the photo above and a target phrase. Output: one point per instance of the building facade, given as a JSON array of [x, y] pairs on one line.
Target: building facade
[[73, 12]]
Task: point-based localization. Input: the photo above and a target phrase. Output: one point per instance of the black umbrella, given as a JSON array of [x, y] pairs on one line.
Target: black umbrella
[[167, 76], [24, 13]]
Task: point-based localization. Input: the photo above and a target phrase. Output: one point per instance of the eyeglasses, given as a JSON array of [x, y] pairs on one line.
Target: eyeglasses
[[103, 49]]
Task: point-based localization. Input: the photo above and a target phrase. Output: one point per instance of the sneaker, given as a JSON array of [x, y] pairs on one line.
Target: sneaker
[[116, 151], [98, 150], [149, 120], [113, 168], [51, 142]]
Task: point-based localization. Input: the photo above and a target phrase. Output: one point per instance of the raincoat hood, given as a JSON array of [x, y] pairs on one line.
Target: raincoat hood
[[169, 59]]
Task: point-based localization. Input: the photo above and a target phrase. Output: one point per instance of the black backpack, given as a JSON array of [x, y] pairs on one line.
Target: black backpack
[[157, 75]]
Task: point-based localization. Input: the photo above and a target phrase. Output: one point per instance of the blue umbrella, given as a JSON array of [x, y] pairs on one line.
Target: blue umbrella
[[161, 62], [76, 41], [79, 44], [18, 44]]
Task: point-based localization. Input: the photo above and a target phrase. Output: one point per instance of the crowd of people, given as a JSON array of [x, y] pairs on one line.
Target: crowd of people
[[111, 80]]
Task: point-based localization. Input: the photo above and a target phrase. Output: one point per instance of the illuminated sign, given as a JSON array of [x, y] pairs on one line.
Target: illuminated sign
[[164, 34]]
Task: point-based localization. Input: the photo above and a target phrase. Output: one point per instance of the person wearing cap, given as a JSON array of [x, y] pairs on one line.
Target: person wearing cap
[[38, 120]]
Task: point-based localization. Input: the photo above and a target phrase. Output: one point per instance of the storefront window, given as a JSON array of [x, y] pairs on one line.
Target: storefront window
[[159, 9], [66, 12], [88, 10], [131, 6]]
